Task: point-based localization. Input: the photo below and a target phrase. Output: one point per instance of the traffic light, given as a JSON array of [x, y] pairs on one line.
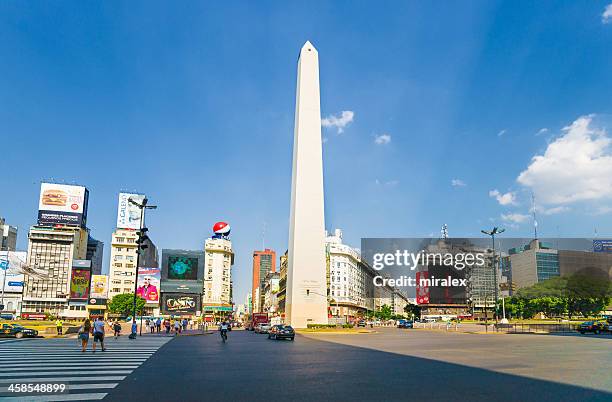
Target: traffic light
[[142, 239]]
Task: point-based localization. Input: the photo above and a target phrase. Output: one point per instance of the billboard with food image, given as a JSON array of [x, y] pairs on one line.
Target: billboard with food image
[[62, 204], [99, 286]]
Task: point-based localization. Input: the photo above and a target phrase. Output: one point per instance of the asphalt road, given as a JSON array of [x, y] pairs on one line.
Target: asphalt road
[[392, 365]]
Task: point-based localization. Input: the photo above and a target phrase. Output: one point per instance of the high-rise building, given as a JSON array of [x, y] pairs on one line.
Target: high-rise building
[[95, 251], [306, 298], [8, 233], [51, 251], [122, 272], [218, 261], [264, 262], [533, 263]]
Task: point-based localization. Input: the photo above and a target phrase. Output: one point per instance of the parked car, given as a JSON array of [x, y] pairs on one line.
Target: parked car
[[281, 332], [262, 328], [361, 323], [591, 326], [405, 324], [18, 331]]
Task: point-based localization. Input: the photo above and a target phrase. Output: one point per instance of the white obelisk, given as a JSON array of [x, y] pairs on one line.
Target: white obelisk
[[306, 296]]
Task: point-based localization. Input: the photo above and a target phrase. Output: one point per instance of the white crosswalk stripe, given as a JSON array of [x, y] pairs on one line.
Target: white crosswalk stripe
[[87, 375]]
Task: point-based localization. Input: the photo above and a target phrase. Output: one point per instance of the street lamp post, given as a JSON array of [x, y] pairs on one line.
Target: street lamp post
[[492, 233], [142, 238]]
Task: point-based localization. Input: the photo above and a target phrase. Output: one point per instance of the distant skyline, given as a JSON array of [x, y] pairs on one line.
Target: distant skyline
[[431, 115]]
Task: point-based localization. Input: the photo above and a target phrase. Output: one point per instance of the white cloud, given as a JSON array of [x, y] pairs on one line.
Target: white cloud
[[389, 183], [382, 139], [542, 131], [606, 17], [553, 210], [508, 198], [502, 132], [515, 217], [339, 122], [577, 166], [602, 210], [458, 183]]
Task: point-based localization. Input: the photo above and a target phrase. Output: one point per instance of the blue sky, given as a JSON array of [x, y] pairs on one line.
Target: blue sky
[[201, 96]]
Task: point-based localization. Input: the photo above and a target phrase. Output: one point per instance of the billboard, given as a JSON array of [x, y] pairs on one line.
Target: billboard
[[99, 286], [128, 215], [182, 271], [62, 204], [602, 246], [80, 279], [181, 303], [422, 290], [149, 284], [182, 267], [11, 264]]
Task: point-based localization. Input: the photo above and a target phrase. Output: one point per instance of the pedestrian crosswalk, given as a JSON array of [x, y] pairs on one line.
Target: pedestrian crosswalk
[[86, 375]]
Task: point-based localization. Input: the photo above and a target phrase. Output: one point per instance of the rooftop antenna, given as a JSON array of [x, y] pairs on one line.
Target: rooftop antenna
[[444, 231], [535, 222], [263, 236]]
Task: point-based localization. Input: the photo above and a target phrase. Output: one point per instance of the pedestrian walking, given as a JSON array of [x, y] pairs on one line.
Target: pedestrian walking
[[167, 325], [59, 325], [134, 329], [98, 333], [152, 326], [158, 324], [185, 324], [117, 328], [177, 327], [84, 334]]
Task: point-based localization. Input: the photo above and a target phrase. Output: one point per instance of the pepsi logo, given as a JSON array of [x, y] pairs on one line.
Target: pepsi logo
[[221, 228]]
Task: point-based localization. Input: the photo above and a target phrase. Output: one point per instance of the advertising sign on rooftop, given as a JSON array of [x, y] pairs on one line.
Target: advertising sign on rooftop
[[61, 204]]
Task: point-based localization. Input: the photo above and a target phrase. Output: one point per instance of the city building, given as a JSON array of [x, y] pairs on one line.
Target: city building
[[47, 282], [95, 251], [122, 270], [282, 285], [8, 242], [270, 291], [264, 262], [533, 263], [219, 258], [12, 285], [351, 290], [539, 260]]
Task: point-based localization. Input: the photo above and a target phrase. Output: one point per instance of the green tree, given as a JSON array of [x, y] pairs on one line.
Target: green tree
[[124, 304], [412, 310], [384, 313]]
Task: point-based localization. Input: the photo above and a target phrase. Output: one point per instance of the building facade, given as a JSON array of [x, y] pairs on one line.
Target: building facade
[[8, 242], [264, 262], [51, 251], [282, 284], [217, 292], [122, 271], [533, 263], [95, 254]]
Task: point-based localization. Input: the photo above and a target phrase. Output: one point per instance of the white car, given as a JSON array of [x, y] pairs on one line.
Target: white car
[[262, 328]]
